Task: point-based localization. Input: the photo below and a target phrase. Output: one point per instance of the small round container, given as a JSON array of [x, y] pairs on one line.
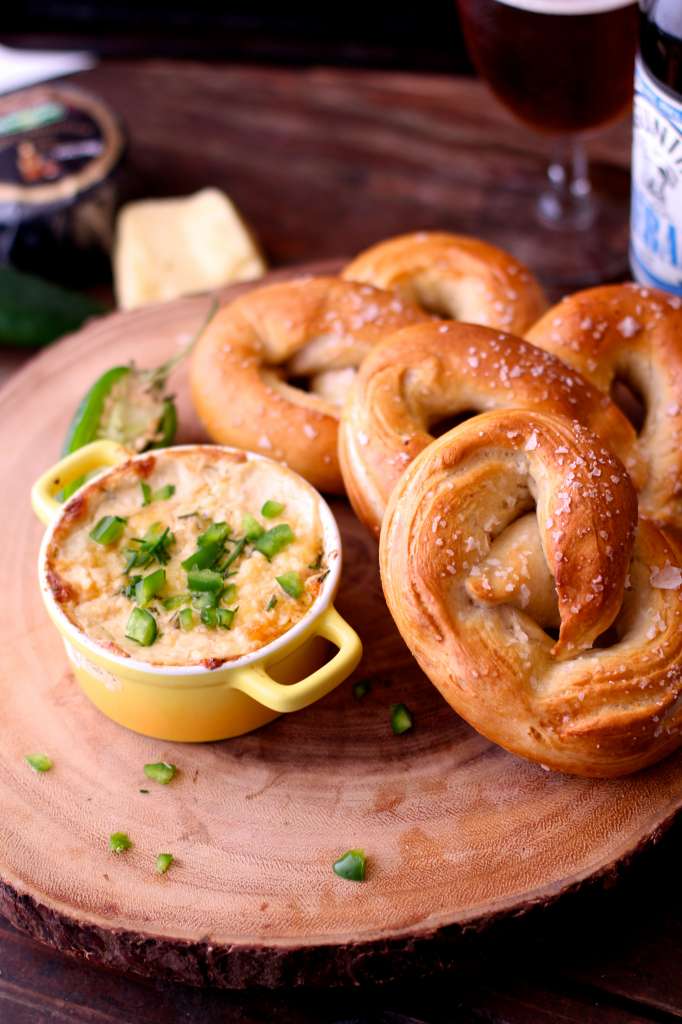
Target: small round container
[[195, 703]]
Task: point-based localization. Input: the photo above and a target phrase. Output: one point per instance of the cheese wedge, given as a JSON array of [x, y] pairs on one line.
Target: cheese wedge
[[166, 248]]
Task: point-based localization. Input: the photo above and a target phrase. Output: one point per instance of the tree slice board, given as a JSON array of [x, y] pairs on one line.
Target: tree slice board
[[458, 833]]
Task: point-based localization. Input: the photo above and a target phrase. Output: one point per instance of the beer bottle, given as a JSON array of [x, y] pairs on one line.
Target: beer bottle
[[656, 215]]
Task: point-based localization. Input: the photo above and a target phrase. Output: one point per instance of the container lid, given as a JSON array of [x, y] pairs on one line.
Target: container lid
[[55, 143]]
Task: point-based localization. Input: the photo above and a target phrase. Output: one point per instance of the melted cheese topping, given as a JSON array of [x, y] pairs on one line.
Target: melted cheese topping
[[88, 578]]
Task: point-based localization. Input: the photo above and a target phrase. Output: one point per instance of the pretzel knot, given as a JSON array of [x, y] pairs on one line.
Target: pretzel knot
[[509, 525]]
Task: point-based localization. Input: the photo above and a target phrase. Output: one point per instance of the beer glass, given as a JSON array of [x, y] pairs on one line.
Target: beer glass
[[564, 67]]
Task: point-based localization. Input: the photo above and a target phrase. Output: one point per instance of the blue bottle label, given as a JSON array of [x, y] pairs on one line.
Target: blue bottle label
[[656, 212]]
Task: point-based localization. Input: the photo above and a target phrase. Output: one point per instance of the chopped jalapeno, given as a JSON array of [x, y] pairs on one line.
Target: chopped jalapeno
[[271, 603], [213, 617], [147, 588], [206, 599], [119, 842], [203, 557], [401, 719], [272, 509], [108, 530], [251, 527], [152, 547], [164, 493], [234, 555], [204, 579], [217, 533], [175, 601], [291, 583], [229, 594], [39, 762], [361, 688], [186, 619], [163, 862], [160, 771], [351, 865], [274, 540], [141, 627]]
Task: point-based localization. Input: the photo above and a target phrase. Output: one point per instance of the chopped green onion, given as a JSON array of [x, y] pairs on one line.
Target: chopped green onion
[[251, 527], [146, 493], [361, 688], [274, 540], [317, 564], [351, 865], [217, 533], [186, 619], [272, 509], [229, 594], [153, 546], [401, 719], [129, 589], [271, 603], [147, 588], [205, 599], [203, 557], [204, 579], [119, 842], [213, 617], [160, 771], [108, 530], [39, 762], [141, 627], [291, 583], [175, 601], [234, 555], [163, 493], [163, 862], [188, 515]]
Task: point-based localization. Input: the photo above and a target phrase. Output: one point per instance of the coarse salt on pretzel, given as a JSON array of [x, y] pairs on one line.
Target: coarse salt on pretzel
[[316, 328], [589, 702], [454, 276], [428, 372], [629, 335]]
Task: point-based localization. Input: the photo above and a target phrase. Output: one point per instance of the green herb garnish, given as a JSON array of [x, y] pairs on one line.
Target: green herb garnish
[[154, 546], [351, 865], [175, 601], [234, 555], [251, 527], [361, 688], [119, 842], [163, 493], [186, 619], [108, 530], [203, 557], [214, 617], [271, 603], [204, 579], [141, 627], [272, 509], [291, 583], [160, 771], [229, 594], [163, 862], [147, 588], [401, 719], [317, 564], [217, 533], [274, 540], [205, 599], [39, 762]]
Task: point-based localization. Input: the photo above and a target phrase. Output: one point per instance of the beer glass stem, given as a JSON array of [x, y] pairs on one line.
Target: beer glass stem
[[567, 202]]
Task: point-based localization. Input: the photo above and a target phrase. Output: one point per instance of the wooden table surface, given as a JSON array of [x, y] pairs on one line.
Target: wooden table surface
[[322, 163]]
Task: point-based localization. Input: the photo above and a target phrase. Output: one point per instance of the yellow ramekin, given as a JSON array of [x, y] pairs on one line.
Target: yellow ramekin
[[196, 704]]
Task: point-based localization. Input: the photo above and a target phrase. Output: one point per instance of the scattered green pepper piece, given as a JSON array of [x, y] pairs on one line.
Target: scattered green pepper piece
[[108, 530], [272, 509], [274, 540], [160, 771], [213, 617], [204, 579], [119, 842], [229, 594], [141, 627], [147, 588], [351, 865], [291, 583], [154, 546], [163, 862], [401, 719], [162, 494], [186, 619], [251, 527], [205, 599], [175, 601], [361, 688], [203, 557], [217, 533], [271, 603], [146, 493], [39, 762]]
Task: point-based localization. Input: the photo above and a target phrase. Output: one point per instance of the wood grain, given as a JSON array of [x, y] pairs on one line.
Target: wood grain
[[458, 833]]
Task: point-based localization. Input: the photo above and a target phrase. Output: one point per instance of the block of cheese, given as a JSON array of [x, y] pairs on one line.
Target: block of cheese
[[166, 248]]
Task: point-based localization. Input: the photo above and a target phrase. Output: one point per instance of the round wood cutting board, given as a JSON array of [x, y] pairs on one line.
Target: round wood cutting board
[[457, 832]]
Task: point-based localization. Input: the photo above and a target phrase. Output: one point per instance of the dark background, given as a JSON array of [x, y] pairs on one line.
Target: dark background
[[421, 36]]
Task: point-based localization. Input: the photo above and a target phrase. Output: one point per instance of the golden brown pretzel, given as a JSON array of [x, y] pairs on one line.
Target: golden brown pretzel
[[317, 327], [455, 276], [631, 334], [572, 705], [425, 373]]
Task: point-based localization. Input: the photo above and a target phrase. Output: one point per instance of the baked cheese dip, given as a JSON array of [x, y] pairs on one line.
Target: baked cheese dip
[[189, 557]]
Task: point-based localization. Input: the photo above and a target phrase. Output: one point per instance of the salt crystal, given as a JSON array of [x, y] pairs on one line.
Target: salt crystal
[[309, 431], [667, 578], [532, 443], [628, 327]]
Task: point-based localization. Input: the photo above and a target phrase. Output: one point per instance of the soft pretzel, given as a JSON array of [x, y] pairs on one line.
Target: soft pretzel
[[425, 373], [455, 276], [473, 604], [319, 328], [629, 334]]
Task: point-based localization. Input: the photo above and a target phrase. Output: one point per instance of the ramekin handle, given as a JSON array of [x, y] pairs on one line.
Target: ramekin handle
[[91, 457], [256, 683]]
